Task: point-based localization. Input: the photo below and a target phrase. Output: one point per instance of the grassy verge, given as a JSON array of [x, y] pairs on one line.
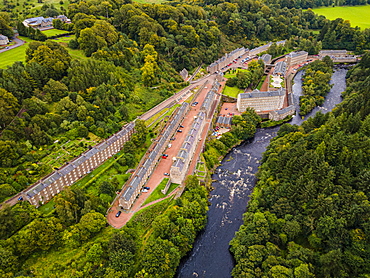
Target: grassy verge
[[260, 84], [11, 56], [201, 167], [47, 208], [157, 194], [357, 15], [144, 218]]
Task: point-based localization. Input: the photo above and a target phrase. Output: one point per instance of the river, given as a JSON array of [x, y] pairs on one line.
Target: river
[[233, 183]]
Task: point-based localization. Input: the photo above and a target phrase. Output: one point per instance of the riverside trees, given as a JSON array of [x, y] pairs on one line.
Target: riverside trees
[[308, 215], [315, 84]]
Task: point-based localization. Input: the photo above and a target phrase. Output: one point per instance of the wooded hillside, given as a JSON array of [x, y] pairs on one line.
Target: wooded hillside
[[309, 213]]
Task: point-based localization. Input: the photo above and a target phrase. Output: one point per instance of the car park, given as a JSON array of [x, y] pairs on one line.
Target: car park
[[118, 213]]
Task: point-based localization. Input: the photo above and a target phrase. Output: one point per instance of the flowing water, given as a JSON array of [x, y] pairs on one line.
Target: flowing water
[[233, 183]]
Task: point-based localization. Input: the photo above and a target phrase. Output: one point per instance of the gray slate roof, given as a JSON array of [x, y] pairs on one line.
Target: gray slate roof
[[296, 54], [141, 174], [63, 171], [280, 68], [256, 94]]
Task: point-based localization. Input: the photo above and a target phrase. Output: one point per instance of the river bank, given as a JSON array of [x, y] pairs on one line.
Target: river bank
[[234, 181]]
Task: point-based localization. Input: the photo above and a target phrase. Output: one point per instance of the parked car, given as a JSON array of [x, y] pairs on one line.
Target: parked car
[[173, 138], [118, 213], [166, 174], [166, 155], [147, 188], [181, 126], [179, 130], [20, 198], [144, 190]]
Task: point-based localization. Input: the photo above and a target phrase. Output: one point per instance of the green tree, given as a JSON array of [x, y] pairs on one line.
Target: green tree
[[51, 55], [8, 107]]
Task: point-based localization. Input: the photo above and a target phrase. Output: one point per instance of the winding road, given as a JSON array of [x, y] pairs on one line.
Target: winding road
[[18, 42]]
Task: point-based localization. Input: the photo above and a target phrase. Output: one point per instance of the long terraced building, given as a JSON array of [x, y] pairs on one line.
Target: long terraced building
[[42, 191], [148, 163]]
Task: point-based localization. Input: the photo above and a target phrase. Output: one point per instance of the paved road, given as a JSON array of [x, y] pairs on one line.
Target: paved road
[[18, 42], [164, 165]]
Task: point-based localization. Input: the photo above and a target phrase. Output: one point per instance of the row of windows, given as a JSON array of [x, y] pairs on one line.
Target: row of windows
[[78, 172]]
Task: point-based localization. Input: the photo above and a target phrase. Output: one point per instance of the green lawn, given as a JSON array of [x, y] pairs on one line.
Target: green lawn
[[157, 194], [232, 91], [357, 15], [54, 32], [30, 8], [201, 167], [228, 74], [7, 58], [47, 208]]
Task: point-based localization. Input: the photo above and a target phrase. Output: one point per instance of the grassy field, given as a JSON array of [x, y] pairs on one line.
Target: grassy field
[[7, 58], [357, 15], [232, 91], [31, 8], [54, 32]]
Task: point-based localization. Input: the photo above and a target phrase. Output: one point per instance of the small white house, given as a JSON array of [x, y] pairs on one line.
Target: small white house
[[3, 40]]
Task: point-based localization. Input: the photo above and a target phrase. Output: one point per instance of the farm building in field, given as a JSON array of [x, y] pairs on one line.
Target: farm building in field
[[63, 18], [41, 22], [38, 22], [3, 40]]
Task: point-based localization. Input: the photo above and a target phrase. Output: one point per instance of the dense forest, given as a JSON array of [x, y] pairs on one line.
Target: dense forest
[[74, 240], [309, 212]]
